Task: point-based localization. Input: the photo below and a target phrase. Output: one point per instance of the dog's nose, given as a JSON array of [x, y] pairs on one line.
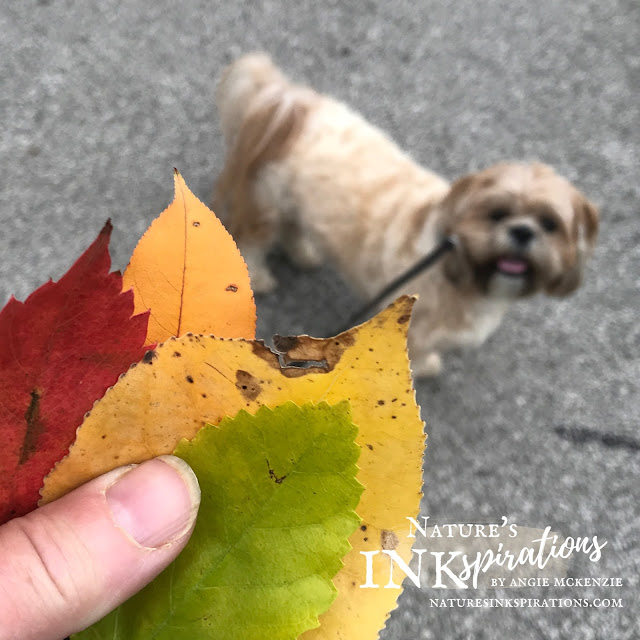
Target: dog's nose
[[522, 234]]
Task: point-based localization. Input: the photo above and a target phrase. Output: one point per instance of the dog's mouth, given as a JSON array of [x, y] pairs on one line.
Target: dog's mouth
[[512, 267]]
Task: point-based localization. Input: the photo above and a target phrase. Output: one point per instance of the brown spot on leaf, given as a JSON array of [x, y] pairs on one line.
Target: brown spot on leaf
[[380, 402], [404, 318], [285, 343], [363, 527], [196, 223], [323, 353], [247, 384], [319, 350], [35, 427], [388, 540], [273, 476], [177, 354], [189, 379], [149, 356], [232, 287], [261, 350], [370, 446]]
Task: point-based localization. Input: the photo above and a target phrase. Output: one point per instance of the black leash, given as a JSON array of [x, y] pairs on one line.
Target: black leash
[[449, 243]]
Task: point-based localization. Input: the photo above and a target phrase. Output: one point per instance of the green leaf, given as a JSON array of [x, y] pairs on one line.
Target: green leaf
[[278, 499]]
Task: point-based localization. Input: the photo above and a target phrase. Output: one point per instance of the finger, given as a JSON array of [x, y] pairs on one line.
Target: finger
[[69, 563]]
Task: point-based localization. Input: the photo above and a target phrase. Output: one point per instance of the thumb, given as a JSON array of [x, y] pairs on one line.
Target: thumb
[[69, 563]]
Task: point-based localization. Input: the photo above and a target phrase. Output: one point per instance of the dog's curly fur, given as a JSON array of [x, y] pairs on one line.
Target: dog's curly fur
[[305, 169]]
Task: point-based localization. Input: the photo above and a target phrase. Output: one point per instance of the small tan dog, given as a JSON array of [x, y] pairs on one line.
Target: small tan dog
[[306, 170]]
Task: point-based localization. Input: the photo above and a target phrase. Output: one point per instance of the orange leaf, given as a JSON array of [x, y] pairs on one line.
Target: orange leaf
[[189, 272]]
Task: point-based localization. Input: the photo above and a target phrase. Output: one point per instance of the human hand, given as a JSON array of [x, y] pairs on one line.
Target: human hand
[[66, 565]]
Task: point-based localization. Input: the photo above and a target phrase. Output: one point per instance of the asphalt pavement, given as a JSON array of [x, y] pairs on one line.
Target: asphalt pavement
[[99, 101]]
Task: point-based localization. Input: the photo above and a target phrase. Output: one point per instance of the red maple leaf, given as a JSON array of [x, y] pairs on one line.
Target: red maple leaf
[[60, 351]]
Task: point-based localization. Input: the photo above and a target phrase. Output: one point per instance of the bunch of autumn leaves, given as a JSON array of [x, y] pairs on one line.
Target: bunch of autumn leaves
[[100, 370]]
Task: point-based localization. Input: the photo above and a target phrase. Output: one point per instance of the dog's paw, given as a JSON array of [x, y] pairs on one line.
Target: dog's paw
[[427, 366], [304, 252], [255, 257], [262, 281]]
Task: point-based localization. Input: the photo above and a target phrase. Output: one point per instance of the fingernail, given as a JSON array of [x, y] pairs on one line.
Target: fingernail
[[156, 503]]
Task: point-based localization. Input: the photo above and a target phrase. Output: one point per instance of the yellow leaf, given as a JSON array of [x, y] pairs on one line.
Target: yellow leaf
[[194, 380], [189, 272]]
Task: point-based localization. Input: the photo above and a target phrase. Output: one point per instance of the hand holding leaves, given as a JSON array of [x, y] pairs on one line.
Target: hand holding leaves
[[278, 499], [188, 270]]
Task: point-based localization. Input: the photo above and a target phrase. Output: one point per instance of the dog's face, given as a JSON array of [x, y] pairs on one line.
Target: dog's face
[[521, 229]]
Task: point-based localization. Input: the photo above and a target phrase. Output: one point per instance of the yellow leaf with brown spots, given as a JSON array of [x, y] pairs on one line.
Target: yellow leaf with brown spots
[[190, 381], [188, 271]]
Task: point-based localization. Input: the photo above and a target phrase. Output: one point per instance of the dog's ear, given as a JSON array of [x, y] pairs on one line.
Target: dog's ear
[[585, 233], [462, 185], [587, 219], [456, 266], [460, 189], [453, 204]]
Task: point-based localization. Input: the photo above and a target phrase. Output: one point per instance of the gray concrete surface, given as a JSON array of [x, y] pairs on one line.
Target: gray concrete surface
[[99, 101]]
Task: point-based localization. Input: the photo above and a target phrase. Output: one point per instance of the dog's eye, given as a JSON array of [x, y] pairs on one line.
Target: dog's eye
[[496, 215], [548, 224]]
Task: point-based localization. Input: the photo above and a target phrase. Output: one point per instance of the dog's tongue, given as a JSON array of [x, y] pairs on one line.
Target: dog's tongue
[[512, 266]]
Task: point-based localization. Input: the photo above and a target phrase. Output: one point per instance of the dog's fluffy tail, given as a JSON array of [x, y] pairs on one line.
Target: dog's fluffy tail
[[260, 114]]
